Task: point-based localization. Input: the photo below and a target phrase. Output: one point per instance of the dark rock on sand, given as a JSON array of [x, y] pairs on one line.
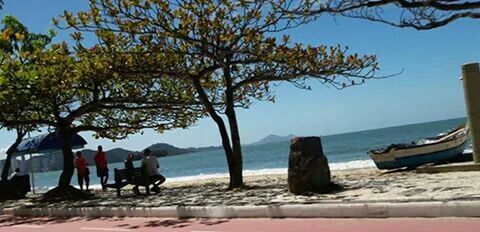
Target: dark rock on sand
[[308, 169]]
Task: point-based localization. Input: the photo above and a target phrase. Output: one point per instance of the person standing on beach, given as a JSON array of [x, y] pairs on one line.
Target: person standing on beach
[[150, 166], [102, 168], [82, 171]]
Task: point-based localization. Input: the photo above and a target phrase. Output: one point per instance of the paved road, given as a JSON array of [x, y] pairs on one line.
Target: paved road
[[14, 224]]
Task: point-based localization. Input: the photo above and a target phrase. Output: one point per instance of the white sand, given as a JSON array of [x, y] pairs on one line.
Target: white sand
[[360, 185], [369, 184]]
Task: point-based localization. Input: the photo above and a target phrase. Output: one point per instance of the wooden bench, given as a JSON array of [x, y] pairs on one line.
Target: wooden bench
[[125, 177]]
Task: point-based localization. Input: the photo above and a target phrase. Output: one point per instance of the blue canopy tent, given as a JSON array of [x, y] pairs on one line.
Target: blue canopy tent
[[46, 143]]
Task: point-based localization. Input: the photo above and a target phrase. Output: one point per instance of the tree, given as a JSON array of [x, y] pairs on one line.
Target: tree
[[225, 50], [71, 92], [421, 15], [15, 41], [71, 95]]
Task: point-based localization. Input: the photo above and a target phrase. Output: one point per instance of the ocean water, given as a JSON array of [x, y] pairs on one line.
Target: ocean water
[[344, 151]]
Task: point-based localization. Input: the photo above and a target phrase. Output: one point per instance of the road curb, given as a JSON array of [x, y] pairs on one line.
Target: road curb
[[354, 210]]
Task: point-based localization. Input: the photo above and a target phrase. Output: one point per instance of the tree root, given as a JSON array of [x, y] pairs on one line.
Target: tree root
[[66, 193]]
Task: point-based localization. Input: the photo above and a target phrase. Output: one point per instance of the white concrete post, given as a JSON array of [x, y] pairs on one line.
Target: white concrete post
[[471, 86], [13, 164], [23, 165], [32, 173]]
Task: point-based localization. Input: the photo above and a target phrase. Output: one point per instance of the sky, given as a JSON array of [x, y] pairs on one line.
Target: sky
[[428, 88]]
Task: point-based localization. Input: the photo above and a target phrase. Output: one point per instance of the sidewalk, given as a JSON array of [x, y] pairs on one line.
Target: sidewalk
[[334, 210], [364, 193], [15, 224]]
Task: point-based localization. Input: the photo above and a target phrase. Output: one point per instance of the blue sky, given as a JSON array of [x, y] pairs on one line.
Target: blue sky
[[428, 89]]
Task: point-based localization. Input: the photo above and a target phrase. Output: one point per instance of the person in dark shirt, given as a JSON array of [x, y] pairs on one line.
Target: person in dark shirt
[[150, 165], [129, 162]]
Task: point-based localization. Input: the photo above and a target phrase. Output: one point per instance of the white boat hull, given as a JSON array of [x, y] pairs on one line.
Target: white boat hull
[[417, 155]]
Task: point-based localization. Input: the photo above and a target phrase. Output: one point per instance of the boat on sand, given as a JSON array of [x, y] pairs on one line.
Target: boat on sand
[[441, 148]]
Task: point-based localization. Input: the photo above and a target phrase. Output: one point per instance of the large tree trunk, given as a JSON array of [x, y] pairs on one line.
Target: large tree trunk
[[234, 164], [6, 166], [234, 167], [68, 167], [235, 161], [64, 190], [12, 149]]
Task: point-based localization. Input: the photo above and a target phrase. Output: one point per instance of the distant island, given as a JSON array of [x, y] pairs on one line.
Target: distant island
[[274, 139], [53, 162]]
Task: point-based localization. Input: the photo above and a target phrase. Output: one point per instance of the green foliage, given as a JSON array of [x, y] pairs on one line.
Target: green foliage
[[207, 39], [17, 40], [69, 91], [15, 44], [60, 88], [54, 86]]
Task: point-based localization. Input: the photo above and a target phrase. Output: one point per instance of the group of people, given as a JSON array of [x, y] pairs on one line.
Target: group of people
[[149, 165], [83, 172]]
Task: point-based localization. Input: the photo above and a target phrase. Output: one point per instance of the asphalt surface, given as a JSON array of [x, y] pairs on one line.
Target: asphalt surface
[[13, 224]]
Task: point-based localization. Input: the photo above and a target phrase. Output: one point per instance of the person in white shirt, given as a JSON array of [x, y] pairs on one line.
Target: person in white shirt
[[150, 165], [14, 174]]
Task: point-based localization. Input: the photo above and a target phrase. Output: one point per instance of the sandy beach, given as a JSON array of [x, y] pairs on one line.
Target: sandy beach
[[358, 185]]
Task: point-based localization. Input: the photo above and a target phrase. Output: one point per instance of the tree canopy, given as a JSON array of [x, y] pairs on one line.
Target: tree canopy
[[73, 90], [227, 52], [15, 42]]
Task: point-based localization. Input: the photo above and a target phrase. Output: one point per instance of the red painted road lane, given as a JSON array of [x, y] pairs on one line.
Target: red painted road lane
[[14, 224]]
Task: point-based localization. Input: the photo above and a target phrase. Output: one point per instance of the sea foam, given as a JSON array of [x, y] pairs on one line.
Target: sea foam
[[272, 171]]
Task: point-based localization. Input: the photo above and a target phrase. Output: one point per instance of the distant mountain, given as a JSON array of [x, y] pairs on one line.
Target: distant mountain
[[198, 149], [274, 139], [113, 156], [52, 162], [165, 149]]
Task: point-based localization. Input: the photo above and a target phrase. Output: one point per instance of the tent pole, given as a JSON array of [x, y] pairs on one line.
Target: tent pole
[[31, 169], [23, 165]]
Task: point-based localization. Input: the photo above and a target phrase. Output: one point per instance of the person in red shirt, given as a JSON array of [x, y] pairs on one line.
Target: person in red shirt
[[102, 168], [82, 171]]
